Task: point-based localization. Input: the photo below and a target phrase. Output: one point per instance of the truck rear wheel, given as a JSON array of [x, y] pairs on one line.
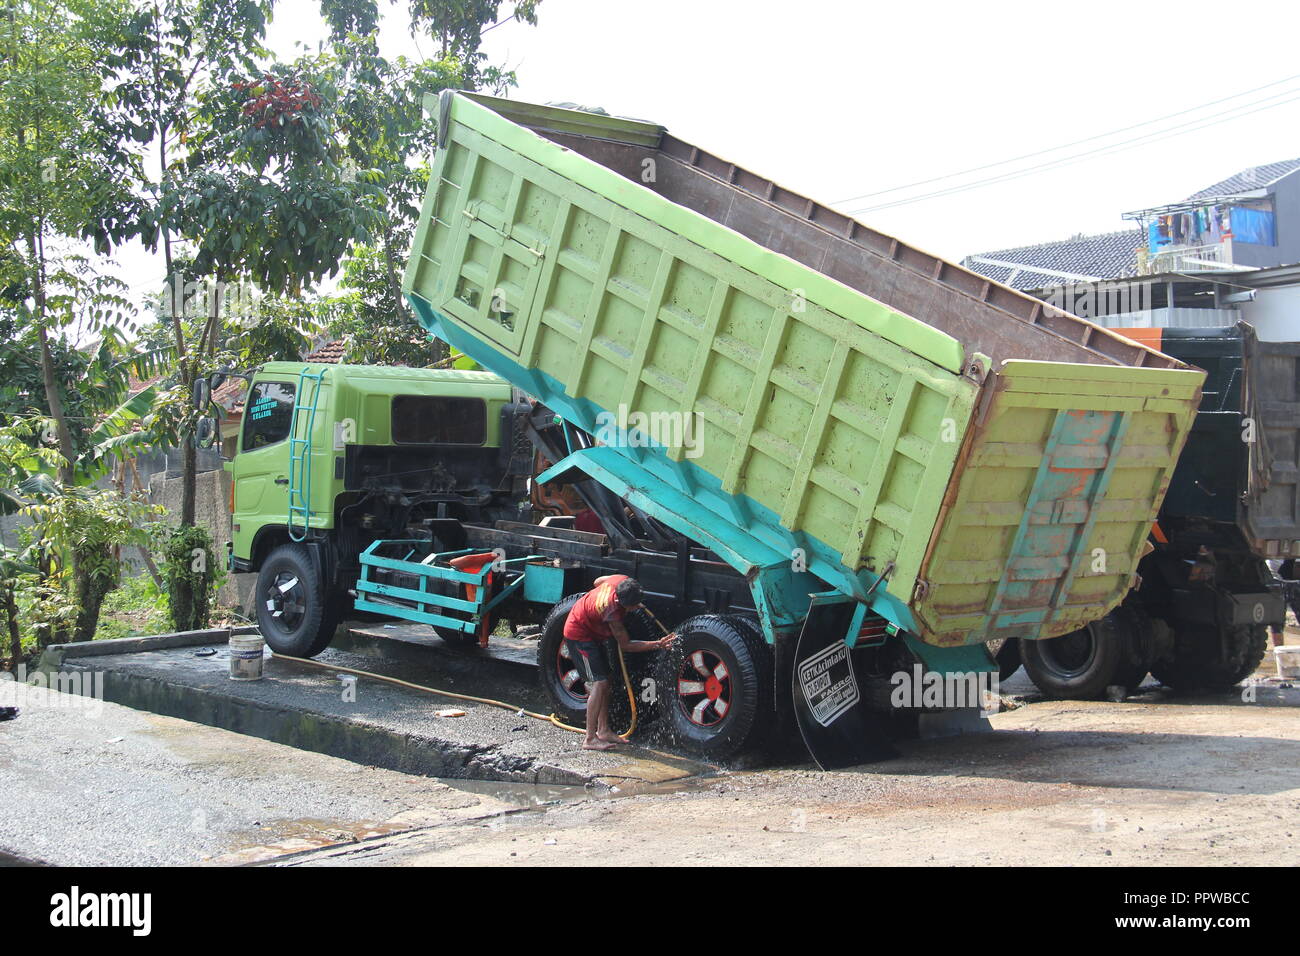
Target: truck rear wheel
[[1081, 665], [1198, 662], [294, 613], [562, 680], [715, 686]]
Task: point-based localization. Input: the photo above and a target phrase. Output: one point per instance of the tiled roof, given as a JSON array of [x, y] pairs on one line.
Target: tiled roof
[[1256, 177], [328, 353], [1110, 255]]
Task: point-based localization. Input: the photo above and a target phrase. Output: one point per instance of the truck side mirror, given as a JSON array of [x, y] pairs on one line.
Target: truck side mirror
[[201, 392], [205, 433], [216, 380]]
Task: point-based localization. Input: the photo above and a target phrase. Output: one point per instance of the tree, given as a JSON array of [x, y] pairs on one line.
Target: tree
[[61, 177], [458, 27], [81, 527], [163, 52], [376, 329]]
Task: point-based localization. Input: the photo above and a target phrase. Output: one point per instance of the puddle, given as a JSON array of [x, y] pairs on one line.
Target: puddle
[[523, 795]]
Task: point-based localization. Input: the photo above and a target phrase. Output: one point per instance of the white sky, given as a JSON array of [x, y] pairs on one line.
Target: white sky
[[836, 99]]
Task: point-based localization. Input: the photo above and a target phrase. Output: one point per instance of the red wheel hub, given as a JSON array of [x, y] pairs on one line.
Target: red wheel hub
[[713, 688], [704, 688]]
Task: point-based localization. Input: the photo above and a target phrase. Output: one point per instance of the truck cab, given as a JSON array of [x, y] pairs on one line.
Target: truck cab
[[330, 458]]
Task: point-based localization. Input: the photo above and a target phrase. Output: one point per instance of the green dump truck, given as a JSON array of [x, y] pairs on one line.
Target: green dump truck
[[1200, 618], [829, 457]]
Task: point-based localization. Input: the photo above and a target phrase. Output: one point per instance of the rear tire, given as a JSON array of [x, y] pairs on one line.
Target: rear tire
[[1081, 665], [296, 615], [715, 686], [1198, 665]]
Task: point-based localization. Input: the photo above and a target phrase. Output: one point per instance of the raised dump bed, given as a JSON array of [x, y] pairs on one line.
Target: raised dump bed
[[967, 460]]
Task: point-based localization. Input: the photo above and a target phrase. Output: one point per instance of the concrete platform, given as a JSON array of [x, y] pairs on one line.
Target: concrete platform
[[378, 724]]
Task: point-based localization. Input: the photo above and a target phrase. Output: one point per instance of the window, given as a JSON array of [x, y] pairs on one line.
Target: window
[[439, 420], [268, 414]]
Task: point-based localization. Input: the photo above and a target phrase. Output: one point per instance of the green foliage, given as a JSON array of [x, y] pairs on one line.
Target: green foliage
[[80, 529], [369, 316], [189, 571], [136, 607], [459, 25]]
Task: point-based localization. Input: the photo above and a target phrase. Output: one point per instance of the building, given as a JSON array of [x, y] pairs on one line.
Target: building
[[1229, 252]]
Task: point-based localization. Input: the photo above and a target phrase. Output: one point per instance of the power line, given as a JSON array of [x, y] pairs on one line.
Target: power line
[[1149, 138], [1077, 142]]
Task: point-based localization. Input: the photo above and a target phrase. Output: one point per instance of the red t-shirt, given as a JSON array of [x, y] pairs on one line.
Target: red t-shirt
[[590, 617]]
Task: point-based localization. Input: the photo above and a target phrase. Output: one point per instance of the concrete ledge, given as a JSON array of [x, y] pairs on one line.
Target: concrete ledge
[[379, 724], [56, 654]]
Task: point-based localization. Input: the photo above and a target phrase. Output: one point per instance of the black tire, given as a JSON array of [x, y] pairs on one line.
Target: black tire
[[567, 692], [465, 639], [693, 719], [1197, 664], [456, 638], [1006, 654], [1081, 665], [295, 614]]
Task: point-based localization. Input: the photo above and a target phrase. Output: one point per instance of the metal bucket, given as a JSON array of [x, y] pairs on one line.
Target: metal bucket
[[246, 656]]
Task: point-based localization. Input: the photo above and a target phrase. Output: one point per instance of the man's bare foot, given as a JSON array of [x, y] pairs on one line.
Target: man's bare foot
[[611, 739], [597, 744]]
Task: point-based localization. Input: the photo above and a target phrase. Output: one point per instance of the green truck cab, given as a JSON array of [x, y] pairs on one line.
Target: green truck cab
[[330, 458]]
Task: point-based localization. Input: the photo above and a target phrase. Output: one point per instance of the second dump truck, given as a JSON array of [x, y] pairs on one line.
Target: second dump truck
[[829, 457]]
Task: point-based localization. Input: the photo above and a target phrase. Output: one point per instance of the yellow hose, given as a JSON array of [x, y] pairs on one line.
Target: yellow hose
[[552, 718]]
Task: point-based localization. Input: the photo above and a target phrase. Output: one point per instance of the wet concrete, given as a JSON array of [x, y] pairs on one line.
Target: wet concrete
[[375, 723]]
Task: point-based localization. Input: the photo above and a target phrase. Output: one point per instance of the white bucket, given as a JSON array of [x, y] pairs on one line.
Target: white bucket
[[246, 656], [1288, 660]]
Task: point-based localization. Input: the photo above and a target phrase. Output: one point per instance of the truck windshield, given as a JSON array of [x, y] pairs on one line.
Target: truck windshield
[[269, 415], [439, 420]]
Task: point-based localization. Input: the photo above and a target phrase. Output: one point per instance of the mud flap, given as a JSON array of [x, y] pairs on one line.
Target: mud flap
[[837, 728]]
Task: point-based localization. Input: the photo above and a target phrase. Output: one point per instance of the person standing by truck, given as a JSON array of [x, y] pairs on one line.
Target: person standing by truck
[[598, 616]]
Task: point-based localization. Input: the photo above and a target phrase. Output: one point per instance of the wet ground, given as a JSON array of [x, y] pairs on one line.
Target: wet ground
[[1157, 778]]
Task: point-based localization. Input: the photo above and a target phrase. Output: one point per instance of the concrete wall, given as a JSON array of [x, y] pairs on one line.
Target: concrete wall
[[212, 511], [1286, 219], [1275, 313]]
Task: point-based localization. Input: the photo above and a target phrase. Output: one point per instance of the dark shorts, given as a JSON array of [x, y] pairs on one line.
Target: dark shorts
[[589, 657]]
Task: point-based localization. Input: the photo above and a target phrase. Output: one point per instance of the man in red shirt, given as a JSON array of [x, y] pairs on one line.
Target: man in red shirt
[[596, 618]]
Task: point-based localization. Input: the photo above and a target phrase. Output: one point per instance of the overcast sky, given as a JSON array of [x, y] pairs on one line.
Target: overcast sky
[[839, 99]]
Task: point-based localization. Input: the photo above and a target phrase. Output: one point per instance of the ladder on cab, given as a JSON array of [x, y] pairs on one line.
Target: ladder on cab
[[304, 411]]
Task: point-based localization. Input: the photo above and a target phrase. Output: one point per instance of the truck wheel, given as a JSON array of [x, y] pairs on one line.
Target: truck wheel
[[715, 686], [294, 613], [1006, 654], [1198, 665], [1082, 664], [562, 681]]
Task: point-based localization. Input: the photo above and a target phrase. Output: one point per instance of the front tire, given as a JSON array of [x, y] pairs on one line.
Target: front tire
[[715, 686], [295, 613]]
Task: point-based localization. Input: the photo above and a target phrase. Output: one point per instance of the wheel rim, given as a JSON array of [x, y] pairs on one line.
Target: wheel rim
[[1069, 655], [571, 679], [286, 601], [704, 688]]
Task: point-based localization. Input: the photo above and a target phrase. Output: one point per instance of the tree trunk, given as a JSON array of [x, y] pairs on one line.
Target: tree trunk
[[10, 608], [90, 593], [52, 396]]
